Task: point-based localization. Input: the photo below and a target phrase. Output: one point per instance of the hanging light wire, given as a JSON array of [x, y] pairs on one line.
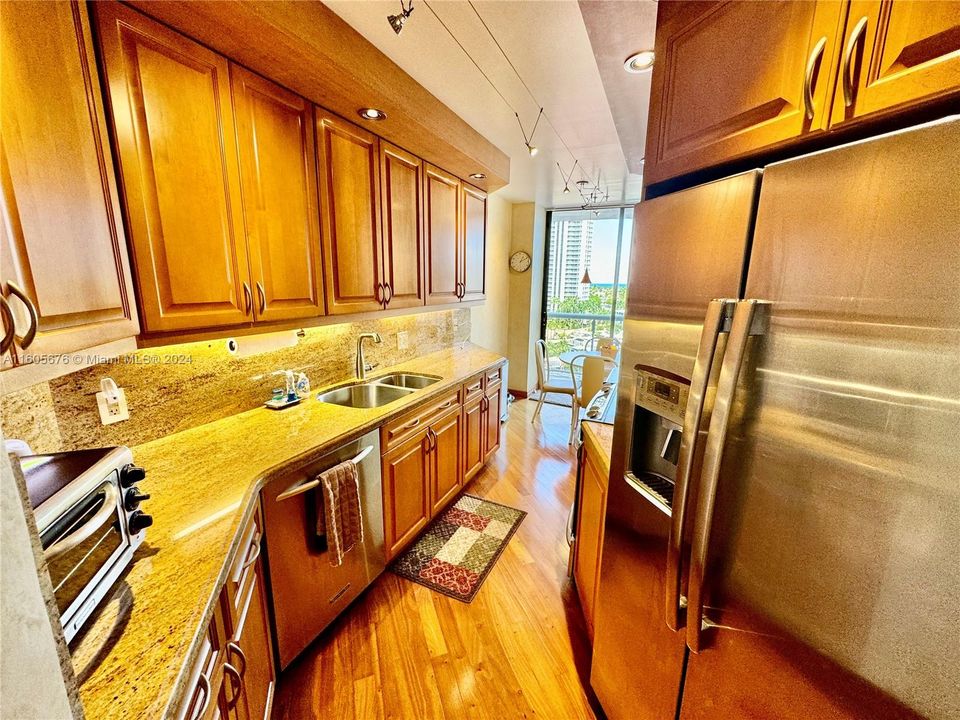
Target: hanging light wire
[[576, 161]]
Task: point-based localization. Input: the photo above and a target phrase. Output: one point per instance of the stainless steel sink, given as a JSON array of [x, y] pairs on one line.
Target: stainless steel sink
[[364, 395], [407, 380]]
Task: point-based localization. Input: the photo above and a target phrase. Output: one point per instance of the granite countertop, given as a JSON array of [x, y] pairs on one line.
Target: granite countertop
[[600, 437], [133, 659]]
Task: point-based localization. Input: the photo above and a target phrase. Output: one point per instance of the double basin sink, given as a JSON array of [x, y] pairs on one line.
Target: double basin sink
[[377, 392]]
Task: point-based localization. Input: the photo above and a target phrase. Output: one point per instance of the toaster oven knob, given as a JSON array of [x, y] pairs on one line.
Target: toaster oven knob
[[139, 520], [131, 475], [132, 499]]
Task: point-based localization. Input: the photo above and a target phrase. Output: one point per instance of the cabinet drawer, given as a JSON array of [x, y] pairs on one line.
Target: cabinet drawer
[[473, 388], [244, 565], [396, 431], [201, 699], [493, 378]]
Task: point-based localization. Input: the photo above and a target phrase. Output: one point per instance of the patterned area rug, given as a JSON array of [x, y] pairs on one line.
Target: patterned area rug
[[458, 549]]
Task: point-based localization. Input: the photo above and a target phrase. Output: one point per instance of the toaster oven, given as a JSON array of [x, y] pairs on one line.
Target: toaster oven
[[87, 508]]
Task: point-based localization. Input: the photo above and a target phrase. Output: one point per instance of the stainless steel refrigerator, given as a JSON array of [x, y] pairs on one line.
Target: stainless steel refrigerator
[[782, 537]]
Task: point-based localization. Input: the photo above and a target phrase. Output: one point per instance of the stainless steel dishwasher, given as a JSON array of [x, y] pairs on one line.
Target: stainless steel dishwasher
[[308, 593]]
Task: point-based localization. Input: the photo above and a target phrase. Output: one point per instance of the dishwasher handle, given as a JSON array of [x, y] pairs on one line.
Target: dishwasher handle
[[299, 489]]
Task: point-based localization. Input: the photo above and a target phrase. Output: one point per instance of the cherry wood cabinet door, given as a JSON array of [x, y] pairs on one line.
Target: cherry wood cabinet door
[[62, 241], [446, 462], [442, 226], [590, 518], [897, 53], [279, 183], [174, 126], [716, 93], [401, 182], [406, 492], [256, 645], [474, 436], [473, 270], [350, 212], [491, 422]]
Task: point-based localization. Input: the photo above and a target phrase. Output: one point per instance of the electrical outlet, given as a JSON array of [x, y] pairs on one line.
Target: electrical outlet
[[403, 340], [113, 412]]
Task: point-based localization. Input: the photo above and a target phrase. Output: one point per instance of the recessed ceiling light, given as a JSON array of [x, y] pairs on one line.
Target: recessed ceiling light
[[371, 114], [639, 62], [477, 176]]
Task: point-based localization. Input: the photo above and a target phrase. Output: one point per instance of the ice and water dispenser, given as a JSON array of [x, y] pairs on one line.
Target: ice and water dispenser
[[660, 399]]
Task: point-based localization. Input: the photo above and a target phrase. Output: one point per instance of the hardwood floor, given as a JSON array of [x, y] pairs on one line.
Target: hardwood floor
[[519, 650]]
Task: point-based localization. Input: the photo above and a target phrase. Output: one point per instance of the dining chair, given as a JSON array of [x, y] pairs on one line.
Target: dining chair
[[585, 386], [543, 378]]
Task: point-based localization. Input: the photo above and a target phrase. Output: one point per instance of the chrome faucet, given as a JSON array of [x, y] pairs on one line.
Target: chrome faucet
[[362, 365]]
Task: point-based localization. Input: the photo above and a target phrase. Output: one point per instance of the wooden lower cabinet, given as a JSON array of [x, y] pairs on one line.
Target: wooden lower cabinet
[[491, 421], [234, 676], [592, 507], [406, 495], [446, 461], [473, 437]]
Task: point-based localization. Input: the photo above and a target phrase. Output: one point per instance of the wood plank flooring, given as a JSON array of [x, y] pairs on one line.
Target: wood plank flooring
[[519, 650]]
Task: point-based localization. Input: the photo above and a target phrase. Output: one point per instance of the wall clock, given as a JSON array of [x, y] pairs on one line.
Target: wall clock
[[520, 261]]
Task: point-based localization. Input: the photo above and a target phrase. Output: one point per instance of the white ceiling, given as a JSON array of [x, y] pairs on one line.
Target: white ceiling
[[547, 42]]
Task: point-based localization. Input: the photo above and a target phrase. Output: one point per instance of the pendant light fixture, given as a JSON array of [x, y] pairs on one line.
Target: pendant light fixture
[[585, 280], [566, 178], [397, 21], [528, 141]]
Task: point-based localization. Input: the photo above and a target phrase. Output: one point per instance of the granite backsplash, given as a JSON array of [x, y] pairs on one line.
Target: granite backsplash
[[176, 387]]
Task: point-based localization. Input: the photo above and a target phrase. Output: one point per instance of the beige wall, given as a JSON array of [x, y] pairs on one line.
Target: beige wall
[[527, 233], [488, 323]]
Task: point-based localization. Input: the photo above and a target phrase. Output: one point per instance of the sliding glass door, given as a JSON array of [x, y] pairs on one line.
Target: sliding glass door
[[585, 292]]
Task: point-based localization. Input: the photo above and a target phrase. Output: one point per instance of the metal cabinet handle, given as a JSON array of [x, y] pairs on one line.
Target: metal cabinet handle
[[247, 299], [389, 293], [808, 76], [253, 553], [229, 669], [447, 404], [718, 312], [379, 293], [9, 328], [262, 294], [85, 531], [412, 424], [31, 333], [743, 326], [203, 683], [232, 646], [847, 72]]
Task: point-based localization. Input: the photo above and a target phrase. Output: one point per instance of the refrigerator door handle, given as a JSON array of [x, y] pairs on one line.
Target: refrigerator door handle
[[715, 322], [746, 322]]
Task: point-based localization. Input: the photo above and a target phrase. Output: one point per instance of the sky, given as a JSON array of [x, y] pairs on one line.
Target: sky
[[604, 255]]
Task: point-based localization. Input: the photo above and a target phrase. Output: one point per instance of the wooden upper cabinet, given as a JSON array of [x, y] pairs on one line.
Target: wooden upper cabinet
[[473, 272], [279, 184], [62, 241], [401, 182], [442, 225], [173, 118], [896, 53], [350, 210], [734, 77]]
